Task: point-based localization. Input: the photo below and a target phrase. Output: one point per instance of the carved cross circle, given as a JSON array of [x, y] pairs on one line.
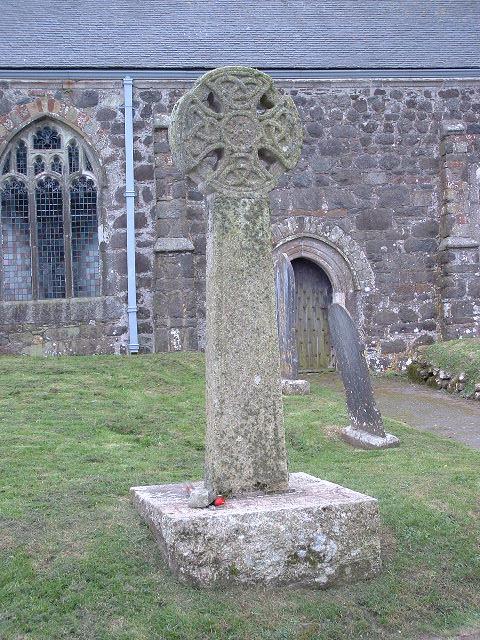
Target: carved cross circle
[[234, 133]]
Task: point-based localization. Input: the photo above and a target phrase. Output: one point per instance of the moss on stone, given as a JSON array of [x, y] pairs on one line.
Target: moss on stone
[[457, 357], [413, 372]]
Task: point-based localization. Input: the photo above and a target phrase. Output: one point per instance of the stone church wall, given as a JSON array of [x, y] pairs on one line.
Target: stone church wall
[[373, 172], [388, 179]]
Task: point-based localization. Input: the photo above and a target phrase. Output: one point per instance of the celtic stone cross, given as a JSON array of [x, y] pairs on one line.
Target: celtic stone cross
[[233, 134]]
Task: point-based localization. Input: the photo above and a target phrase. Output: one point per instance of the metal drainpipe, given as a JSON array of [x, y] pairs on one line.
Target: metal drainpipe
[[133, 345]]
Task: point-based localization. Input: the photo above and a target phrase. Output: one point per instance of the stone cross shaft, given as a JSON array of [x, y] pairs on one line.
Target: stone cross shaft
[[233, 134]]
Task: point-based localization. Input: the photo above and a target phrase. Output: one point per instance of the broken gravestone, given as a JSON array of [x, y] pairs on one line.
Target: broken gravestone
[[233, 133], [286, 324], [366, 429]]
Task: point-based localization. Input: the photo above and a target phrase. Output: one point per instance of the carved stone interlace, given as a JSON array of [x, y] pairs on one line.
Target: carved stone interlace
[[234, 133]]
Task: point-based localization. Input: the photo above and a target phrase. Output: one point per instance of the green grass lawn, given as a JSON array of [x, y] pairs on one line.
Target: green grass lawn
[[76, 561]]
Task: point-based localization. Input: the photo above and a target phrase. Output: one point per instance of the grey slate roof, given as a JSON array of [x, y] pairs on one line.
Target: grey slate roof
[[270, 34]]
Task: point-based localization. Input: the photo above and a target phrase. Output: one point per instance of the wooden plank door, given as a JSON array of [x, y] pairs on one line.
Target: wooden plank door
[[313, 295]]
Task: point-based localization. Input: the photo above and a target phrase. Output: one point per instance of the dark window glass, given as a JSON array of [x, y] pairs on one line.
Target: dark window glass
[[47, 138], [38, 165], [56, 165], [15, 241], [50, 234], [73, 157], [22, 157], [85, 254]]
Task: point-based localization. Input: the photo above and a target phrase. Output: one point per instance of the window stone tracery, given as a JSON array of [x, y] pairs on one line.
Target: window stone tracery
[[48, 216]]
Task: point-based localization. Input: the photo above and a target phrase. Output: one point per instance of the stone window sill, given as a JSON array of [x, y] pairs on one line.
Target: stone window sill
[[61, 310]]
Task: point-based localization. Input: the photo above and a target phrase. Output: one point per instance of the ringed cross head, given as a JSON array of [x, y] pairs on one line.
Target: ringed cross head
[[234, 133]]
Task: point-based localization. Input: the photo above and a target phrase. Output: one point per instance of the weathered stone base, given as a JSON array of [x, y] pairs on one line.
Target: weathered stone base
[[316, 535], [365, 440], [295, 387]]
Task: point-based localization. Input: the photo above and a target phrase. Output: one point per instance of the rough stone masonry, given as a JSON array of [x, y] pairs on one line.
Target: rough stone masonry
[[234, 133], [388, 178]]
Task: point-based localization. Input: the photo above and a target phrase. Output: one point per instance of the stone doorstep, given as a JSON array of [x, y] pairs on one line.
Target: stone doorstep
[[316, 535], [365, 440], [295, 387]]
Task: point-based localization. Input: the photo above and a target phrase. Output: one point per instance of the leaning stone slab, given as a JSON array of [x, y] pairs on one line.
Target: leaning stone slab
[[366, 430], [286, 316], [292, 385], [295, 387], [316, 535]]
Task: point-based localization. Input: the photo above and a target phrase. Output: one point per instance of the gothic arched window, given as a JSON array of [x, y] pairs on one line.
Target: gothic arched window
[[48, 216]]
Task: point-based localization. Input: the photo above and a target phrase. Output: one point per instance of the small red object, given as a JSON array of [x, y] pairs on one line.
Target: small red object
[[219, 501]]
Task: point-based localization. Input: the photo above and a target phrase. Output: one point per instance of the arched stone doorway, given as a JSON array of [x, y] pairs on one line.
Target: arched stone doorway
[[313, 295], [321, 275], [339, 259]]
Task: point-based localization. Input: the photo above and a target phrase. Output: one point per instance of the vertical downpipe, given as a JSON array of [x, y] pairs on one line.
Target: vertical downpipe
[[133, 345]]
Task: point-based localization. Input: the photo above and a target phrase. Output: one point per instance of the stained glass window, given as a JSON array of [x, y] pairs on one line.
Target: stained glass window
[[73, 157], [50, 238], [38, 165], [48, 217], [85, 258], [56, 165], [15, 241], [22, 157], [47, 137]]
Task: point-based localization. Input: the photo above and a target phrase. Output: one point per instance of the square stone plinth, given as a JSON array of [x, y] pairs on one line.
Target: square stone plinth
[[318, 534]]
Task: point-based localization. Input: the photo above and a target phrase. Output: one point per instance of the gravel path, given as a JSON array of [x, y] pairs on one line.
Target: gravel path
[[422, 407]]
